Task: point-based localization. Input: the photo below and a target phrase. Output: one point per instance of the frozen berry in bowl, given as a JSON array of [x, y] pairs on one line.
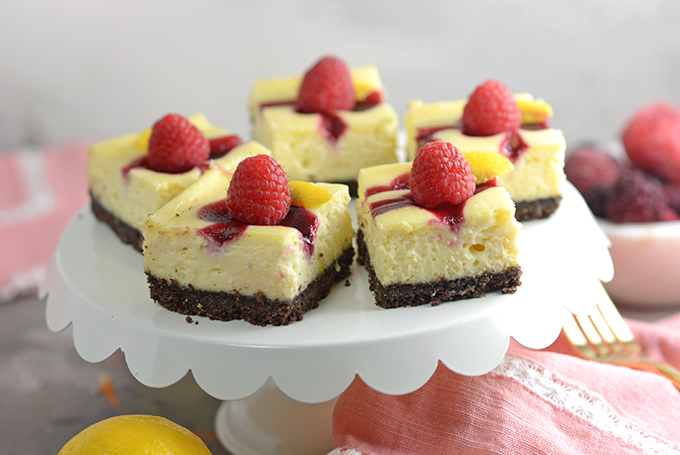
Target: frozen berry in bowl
[[652, 140], [644, 234], [594, 172], [640, 210], [636, 197]]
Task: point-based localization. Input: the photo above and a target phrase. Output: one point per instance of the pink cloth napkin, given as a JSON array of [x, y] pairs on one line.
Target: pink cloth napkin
[[40, 191], [534, 402]]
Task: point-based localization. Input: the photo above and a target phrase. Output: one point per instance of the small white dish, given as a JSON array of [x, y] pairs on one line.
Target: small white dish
[[646, 259]]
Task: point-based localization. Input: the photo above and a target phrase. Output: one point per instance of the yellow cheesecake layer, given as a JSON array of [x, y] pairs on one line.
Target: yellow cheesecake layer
[[301, 147], [265, 259], [305, 153], [143, 191], [539, 170], [410, 245]]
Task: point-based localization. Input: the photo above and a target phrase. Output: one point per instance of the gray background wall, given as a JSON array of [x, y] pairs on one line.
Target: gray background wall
[[96, 69]]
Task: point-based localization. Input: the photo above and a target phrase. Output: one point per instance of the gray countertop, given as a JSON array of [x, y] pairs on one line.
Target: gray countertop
[[48, 393]]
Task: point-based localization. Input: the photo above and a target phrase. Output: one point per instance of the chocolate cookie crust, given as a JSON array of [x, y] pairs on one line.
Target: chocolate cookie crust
[[436, 292], [124, 231], [256, 309], [534, 210]]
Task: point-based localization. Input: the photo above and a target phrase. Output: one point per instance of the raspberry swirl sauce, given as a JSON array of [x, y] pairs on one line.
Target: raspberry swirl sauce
[[225, 228], [219, 147], [331, 126], [512, 146], [449, 214]]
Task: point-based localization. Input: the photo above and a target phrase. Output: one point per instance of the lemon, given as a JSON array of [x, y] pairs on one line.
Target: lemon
[[308, 195], [486, 165], [534, 111], [135, 434]]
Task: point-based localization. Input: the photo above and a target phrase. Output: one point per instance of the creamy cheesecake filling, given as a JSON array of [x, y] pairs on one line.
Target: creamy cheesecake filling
[[412, 245], [272, 260], [321, 147], [300, 142], [538, 161]]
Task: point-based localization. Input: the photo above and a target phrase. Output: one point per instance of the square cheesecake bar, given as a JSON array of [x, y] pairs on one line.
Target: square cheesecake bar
[[536, 150], [417, 256], [201, 261], [323, 147]]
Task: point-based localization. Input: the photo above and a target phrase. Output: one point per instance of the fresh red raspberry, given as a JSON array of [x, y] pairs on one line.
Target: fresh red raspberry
[[176, 145], [491, 109], [326, 87], [652, 140], [440, 174], [220, 146], [259, 191], [637, 198], [593, 172]]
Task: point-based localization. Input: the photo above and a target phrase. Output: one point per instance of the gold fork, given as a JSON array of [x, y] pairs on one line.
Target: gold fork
[[605, 337]]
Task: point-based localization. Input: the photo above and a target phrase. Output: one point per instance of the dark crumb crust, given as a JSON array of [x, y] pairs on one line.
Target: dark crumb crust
[[534, 210], [436, 292], [124, 231], [256, 309]]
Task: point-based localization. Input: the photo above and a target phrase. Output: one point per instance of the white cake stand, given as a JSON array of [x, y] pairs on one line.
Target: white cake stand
[[291, 375]]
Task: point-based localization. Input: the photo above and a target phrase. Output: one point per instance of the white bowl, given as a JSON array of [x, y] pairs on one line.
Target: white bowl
[[646, 259]]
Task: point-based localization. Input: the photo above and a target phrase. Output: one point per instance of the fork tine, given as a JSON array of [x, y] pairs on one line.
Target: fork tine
[[576, 338], [605, 336], [617, 325], [592, 334], [605, 331]]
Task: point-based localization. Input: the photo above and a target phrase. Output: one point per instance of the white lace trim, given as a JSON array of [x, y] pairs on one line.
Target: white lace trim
[[583, 403], [345, 452], [39, 194]]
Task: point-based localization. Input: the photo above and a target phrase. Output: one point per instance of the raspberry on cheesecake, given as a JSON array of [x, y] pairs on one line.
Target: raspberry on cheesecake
[[514, 126]]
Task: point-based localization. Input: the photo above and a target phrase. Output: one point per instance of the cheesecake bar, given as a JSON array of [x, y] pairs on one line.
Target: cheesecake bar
[[201, 261], [536, 150], [326, 146], [416, 255]]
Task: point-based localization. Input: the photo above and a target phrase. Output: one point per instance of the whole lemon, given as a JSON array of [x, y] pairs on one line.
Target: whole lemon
[[135, 434]]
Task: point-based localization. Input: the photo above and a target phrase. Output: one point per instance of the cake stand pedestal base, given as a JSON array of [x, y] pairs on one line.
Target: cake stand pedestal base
[[269, 422]]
